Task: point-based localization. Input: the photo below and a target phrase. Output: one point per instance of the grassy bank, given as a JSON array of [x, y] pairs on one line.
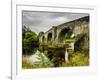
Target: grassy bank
[[42, 63], [77, 59]]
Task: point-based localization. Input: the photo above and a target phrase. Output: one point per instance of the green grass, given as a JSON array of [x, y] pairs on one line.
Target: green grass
[[26, 65], [69, 40], [77, 59], [41, 64]]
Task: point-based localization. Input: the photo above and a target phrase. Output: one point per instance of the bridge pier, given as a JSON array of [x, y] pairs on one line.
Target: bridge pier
[[66, 56]]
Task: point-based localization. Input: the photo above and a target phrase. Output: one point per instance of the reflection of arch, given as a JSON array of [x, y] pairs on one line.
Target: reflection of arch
[[49, 38], [63, 34]]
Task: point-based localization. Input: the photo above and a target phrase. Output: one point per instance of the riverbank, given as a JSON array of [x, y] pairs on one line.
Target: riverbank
[[39, 60]]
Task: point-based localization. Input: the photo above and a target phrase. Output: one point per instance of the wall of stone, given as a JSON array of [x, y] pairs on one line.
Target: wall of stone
[[79, 27]]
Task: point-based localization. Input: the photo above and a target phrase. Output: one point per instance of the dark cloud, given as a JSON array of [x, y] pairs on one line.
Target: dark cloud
[[42, 21]]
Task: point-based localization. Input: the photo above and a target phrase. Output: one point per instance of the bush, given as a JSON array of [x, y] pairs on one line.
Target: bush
[[30, 42], [78, 59], [70, 40], [43, 62]]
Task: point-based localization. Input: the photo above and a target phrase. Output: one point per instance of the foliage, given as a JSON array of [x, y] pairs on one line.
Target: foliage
[[30, 41], [78, 59], [43, 62], [69, 40]]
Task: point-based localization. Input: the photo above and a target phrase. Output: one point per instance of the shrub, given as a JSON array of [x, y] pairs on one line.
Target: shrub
[[77, 59], [29, 42]]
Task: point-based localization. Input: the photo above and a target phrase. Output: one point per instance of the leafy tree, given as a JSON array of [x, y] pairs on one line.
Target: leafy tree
[[30, 41]]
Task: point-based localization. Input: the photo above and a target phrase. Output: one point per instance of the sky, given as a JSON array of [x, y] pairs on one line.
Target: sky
[[43, 21]]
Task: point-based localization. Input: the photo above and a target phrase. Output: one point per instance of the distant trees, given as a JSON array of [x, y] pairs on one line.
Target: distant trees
[[29, 41]]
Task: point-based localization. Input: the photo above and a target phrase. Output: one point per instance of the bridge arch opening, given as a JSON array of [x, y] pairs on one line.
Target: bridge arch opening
[[65, 33], [49, 38], [43, 39]]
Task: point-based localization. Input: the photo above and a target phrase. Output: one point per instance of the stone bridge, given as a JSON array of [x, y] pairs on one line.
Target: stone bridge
[[74, 29]]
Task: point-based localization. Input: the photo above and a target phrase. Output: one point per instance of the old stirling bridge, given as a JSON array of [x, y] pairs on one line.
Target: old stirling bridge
[[56, 36]]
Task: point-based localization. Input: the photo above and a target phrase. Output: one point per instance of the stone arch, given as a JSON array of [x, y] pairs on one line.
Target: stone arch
[[49, 37], [63, 33], [41, 33]]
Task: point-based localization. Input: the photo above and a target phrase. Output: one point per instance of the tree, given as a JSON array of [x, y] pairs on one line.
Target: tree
[[29, 41]]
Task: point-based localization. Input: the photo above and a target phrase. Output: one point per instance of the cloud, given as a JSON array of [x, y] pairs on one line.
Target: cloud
[[42, 21]]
